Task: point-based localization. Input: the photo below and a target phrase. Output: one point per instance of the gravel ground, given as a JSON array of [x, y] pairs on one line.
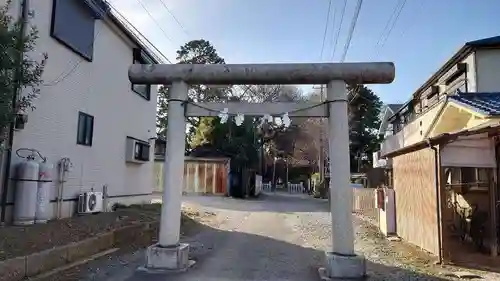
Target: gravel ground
[[117, 263], [20, 241], [278, 237]]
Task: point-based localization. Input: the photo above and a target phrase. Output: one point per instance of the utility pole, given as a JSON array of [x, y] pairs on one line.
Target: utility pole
[[286, 175], [273, 184], [320, 153]]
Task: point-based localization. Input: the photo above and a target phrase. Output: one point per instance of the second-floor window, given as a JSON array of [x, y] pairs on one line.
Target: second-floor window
[[143, 90], [73, 25]]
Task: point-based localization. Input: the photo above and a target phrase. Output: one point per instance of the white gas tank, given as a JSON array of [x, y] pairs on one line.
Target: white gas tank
[[43, 195], [26, 191]]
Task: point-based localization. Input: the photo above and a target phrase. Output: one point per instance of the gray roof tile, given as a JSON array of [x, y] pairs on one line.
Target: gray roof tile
[[485, 103]]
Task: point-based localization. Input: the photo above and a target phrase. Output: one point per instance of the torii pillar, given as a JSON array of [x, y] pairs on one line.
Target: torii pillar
[[341, 260]]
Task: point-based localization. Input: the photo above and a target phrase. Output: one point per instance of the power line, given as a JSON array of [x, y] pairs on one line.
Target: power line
[[336, 39], [351, 29], [390, 26], [382, 39], [174, 17], [155, 21], [128, 24], [320, 139], [403, 32], [326, 28]]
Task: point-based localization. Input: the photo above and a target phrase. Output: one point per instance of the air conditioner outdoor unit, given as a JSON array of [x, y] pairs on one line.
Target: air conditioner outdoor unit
[[137, 151], [90, 202]]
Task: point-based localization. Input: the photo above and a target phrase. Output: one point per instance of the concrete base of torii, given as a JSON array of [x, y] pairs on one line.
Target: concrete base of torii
[[161, 259], [342, 266]]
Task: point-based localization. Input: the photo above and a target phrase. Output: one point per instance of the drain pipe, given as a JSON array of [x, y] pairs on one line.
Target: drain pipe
[[6, 177], [438, 199]]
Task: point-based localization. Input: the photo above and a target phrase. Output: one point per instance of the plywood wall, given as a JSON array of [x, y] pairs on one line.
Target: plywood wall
[[416, 207]]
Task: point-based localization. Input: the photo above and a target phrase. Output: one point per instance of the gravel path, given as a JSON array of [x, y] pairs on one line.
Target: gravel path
[[277, 237]]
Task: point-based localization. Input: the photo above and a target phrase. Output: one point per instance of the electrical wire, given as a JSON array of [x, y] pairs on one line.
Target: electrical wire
[[386, 32], [155, 21], [351, 29], [64, 75], [413, 21], [336, 39], [244, 88], [390, 26], [174, 17], [326, 28], [139, 34]]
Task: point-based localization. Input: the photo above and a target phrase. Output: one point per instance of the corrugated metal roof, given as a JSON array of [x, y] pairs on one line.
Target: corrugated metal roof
[[484, 103]]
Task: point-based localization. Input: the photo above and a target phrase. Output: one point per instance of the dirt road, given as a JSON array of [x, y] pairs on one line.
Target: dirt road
[[277, 237]]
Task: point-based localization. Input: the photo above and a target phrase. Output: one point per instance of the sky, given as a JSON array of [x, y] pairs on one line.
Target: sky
[[424, 35]]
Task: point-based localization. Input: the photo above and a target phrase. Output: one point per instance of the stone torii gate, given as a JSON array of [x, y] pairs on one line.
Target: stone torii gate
[[341, 260]]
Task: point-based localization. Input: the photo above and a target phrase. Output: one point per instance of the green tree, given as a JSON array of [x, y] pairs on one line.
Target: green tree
[[193, 52], [19, 73], [364, 121]]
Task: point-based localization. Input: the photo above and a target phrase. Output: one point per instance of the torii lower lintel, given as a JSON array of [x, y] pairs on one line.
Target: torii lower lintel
[[341, 260]]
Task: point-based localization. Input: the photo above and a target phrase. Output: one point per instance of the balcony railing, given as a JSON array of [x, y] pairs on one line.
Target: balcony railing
[[380, 162], [392, 143]]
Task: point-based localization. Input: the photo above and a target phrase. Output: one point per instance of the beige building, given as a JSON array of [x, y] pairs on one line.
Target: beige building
[[88, 111], [443, 152]]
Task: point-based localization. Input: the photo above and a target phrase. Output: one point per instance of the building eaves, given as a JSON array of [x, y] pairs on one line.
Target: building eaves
[[461, 54]]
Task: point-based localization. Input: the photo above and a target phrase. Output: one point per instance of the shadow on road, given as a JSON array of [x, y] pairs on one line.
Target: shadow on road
[[279, 202], [227, 255]]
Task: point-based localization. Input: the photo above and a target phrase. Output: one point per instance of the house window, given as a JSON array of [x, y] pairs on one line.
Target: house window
[[469, 178], [73, 25], [85, 129], [143, 90], [141, 151]]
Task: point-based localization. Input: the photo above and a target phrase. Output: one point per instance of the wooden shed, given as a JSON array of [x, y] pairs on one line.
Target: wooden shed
[[201, 175]]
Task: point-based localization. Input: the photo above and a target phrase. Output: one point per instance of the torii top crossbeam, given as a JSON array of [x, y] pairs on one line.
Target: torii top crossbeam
[[234, 74]]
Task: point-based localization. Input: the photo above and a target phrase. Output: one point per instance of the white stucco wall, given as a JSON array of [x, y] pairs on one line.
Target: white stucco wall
[[100, 88], [472, 151], [488, 70]]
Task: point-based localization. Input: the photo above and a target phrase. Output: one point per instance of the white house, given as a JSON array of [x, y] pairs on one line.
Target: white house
[[88, 111]]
